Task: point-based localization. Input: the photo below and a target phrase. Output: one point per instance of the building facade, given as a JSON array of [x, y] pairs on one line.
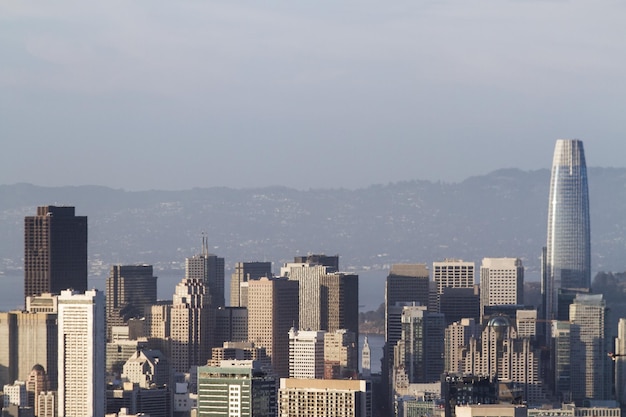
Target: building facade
[[306, 354], [55, 251], [273, 309], [589, 363], [567, 262], [244, 272], [453, 273], [81, 361], [418, 355], [210, 268], [501, 282], [236, 388], [191, 325], [130, 289], [324, 397]]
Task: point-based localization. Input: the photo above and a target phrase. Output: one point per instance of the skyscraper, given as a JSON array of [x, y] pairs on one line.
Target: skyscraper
[[501, 282], [406, 284], [306, 354], [590, 372], [81, 361], [419, 352], [568, 255], [55, 251], [209, 268], [130, 289], [273, 309], [329, 300], [244, 272], [453, 273], [191, 327]]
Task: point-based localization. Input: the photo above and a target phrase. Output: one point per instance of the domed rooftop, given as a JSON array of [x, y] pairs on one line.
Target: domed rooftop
[[499, 321], [38, 368]]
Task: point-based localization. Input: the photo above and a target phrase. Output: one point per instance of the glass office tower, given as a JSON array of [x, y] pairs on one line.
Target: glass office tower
[[567, 263]]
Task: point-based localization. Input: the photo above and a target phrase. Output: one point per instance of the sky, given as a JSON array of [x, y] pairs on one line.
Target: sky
[[170, 95]]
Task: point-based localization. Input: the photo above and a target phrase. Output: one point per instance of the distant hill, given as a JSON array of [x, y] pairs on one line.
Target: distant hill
[[499, 214]]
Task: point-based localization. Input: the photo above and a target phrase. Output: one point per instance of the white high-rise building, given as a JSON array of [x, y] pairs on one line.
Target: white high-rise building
[[15, 394], [81, 323], [501, 282], [306, 354], [453, 273]]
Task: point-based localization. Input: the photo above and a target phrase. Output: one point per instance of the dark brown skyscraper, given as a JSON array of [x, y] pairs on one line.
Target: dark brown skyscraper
[[55, 251]]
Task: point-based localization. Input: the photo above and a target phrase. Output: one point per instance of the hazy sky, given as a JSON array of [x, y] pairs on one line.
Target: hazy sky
[[151, 94]]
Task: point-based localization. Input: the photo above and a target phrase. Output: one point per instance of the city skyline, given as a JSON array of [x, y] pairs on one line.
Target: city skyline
[[509, 350]]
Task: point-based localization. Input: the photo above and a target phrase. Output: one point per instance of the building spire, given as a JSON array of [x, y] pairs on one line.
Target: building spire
[[205, 244]]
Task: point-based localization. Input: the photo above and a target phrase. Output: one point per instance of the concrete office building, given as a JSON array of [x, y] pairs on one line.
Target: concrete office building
[[273, 309], [129, 290], [236, 388], [457, 336], [29, 338], [306, 354], [453, 273], [244, 272], [514, 360], [406, 284], [36, 383], [81, 361], [15, 394], [158, 323], [341, 356], [560, 369], [459, 303], [55, 251], [147, 368], [47, 404], [241, 351], [501, 282], [324, 397], [129, 398], [328, 299], [191, 327], [209, 268], [590, 364], [231, 325], [418, 355]]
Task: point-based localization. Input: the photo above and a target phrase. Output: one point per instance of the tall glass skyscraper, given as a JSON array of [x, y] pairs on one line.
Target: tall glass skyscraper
[[567, 263]]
